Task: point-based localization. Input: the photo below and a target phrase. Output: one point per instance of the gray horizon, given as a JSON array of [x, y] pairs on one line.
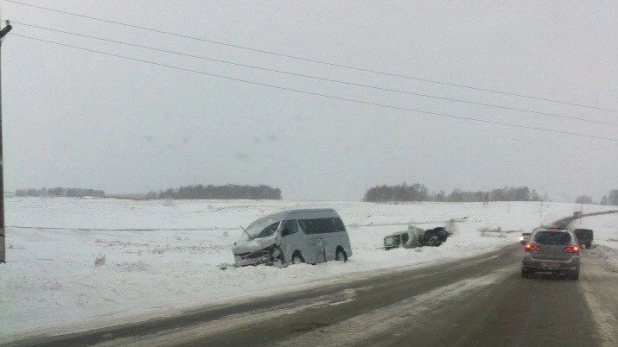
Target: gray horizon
[[78, 119]]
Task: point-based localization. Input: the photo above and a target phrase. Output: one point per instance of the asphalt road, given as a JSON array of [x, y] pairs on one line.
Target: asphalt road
[[479, 301]]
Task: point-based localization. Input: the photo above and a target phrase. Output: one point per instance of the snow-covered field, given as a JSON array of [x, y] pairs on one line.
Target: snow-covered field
[[160, 255]]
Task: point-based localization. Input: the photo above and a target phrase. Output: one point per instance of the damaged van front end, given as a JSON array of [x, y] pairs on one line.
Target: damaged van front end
[[293, 237], [255, 252], [259, 243]]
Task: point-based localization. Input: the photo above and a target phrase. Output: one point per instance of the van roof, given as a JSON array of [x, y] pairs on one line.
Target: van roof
[[311, 212], [303, 213]]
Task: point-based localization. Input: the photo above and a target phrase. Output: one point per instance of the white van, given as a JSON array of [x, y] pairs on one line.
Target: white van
[[293, 237]]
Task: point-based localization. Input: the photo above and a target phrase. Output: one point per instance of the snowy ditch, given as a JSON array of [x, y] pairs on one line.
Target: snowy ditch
[[73, 261]]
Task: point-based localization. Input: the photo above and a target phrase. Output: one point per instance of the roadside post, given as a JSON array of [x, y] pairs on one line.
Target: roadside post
[[3, 33]]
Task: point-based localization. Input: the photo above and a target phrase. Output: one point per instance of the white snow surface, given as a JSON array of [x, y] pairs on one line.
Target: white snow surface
[[161, 256]]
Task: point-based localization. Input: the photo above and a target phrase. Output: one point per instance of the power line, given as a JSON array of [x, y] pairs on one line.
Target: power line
[[316, 78], [311, 60], [444, 115]]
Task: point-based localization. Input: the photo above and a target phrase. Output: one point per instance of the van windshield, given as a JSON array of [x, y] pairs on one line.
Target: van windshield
[[262, 227]]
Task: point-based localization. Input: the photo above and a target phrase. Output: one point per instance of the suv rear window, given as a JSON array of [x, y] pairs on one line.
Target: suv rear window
[[552, 238]]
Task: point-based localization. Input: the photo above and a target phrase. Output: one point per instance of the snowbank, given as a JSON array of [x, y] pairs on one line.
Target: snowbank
[[77, 260], [605, 227]]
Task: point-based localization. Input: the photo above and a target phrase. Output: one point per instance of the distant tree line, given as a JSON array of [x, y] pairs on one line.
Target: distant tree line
[[59, 191], [500, 194], [611, 198], [403, 192], [583, 199], [230, 191], [418, 192]]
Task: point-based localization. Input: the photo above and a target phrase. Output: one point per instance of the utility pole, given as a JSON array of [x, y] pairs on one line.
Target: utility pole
[[3, 33], [581, 212]]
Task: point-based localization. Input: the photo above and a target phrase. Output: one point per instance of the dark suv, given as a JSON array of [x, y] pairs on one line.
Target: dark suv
[[585, 237], [551, 250]]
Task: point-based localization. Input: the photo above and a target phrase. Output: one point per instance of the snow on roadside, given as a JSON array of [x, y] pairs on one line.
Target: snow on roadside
[[605, 228], [162, 255]]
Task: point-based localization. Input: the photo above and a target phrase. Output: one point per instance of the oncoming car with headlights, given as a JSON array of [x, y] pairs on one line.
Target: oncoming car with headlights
[[524, 238], [551, 250]]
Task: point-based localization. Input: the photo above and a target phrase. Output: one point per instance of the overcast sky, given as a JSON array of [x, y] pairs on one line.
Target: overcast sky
[[81, 119]]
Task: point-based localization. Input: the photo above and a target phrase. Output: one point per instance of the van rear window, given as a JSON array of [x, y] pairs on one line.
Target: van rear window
[[552, 238]]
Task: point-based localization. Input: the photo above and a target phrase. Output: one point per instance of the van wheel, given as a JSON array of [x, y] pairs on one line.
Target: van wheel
[[524, 273], [297, 258], [277, 256], [340, 255], [573, 275], [588, 245]]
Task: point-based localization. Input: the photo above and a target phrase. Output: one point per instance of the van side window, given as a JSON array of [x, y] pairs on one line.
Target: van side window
[[302, 225], [290, 227], [339, 224], [321, 225], [311, 226], [306, 225]]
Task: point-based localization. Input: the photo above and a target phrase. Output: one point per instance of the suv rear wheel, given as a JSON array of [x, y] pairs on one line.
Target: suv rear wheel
[[573, 275]]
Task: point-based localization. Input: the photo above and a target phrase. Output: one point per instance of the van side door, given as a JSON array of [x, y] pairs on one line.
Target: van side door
[[314, 247], [292, 239]]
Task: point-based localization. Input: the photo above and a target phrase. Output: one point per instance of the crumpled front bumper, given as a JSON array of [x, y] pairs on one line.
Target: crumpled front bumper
[[262, 256]]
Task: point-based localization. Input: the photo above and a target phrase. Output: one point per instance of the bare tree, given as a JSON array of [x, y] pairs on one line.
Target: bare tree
[[584, 199]]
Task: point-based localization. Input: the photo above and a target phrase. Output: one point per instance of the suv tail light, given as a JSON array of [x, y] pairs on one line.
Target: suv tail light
[[532, 247], [571, 249]]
